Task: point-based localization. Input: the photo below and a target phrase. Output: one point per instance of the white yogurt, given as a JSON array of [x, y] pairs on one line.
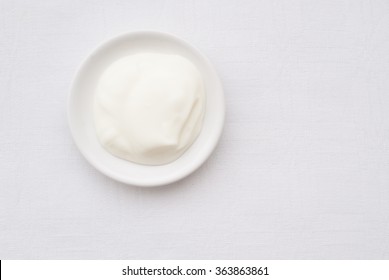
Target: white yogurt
[[149, 107]]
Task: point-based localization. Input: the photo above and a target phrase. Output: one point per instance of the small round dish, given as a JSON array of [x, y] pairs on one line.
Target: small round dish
[[80, 110]]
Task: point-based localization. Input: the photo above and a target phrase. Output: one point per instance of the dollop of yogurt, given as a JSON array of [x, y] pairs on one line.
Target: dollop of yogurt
[[149, 107]]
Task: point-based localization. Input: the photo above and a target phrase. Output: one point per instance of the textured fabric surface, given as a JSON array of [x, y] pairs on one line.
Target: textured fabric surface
[[302, 168]]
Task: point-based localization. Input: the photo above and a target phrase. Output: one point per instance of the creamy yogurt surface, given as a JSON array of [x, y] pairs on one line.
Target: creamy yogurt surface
[[149, 107]]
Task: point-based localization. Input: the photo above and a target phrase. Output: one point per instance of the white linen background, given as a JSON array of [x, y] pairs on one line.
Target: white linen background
[[302, 168]]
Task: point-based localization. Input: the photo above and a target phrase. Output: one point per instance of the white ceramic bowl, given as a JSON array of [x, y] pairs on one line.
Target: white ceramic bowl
[[80, 110]]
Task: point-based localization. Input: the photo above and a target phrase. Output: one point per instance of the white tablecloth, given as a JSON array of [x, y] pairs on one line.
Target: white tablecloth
[[301, 171]]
